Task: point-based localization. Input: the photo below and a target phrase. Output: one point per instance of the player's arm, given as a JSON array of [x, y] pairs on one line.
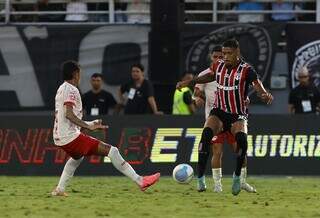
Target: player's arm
[[252, 78], [83, 124], [261, 92], [206, 78], [198, 97]]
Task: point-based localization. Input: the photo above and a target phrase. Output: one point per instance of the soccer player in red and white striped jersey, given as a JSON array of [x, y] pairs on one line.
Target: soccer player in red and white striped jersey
[[229, 113], [204, 92]]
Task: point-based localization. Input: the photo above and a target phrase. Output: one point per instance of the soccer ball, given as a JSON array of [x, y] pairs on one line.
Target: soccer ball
[[182, 173]]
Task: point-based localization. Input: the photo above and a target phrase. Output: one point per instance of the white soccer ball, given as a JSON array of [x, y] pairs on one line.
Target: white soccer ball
[[182, 173]]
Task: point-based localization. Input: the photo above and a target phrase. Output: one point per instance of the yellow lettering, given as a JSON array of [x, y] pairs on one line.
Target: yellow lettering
[[160, 144], [196, 134], [317, 150], [274, 142], [311, 145], [286, 144], [261, 145], [250, 146], [300, 144]]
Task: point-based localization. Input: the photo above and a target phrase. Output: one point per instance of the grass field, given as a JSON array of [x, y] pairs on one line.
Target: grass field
[[119, 197]]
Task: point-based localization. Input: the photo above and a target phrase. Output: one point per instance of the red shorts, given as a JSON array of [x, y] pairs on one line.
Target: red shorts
[[83, 145], [224, 136]]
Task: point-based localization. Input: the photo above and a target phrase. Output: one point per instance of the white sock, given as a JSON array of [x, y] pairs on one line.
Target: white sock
[[243, 174], [68, 172], [120, 164], [217, 175]]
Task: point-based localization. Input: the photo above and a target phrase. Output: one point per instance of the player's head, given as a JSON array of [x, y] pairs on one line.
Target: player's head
[[71, 71], [216, 53], [96, 81], [137, 72], [231, 52], [303, 76]]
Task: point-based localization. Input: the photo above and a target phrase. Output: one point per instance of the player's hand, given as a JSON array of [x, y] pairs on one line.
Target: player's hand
[[97, 124], [267, 97]]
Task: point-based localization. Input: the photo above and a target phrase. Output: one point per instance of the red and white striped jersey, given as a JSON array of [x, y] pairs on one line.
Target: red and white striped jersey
[[233, 86]]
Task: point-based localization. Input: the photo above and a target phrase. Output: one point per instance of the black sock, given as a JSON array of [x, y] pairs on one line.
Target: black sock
[[242, 144], [204, 150]]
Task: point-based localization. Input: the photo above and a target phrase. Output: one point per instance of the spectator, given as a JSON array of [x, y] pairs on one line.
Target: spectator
[[98, 101], [182, 99], [249, 5], [138, 6], [120, 8], [305, 98], [45, 5], [140, 96], [77, 11], [283, 6]]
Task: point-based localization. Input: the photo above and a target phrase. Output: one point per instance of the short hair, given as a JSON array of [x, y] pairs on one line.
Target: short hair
[[231, 43], [217, 48], [140, 66], [68, 69], [95, 75]]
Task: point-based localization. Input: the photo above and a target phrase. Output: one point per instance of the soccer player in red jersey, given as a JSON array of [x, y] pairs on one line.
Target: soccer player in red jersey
[[67, 135], [229, 113], [204, 93]]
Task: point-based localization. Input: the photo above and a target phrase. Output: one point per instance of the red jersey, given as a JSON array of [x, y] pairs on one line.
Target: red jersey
[[233, 86]]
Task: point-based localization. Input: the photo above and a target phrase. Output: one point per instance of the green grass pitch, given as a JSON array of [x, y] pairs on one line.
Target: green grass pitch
[[119, 197]]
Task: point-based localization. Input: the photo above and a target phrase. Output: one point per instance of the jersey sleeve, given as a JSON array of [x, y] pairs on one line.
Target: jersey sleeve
[[252, 75], [70, 97]]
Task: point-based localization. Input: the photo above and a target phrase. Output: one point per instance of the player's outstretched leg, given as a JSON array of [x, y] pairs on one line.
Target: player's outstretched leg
[[203, 155], [242, 143], [67, 174], [124, 167]]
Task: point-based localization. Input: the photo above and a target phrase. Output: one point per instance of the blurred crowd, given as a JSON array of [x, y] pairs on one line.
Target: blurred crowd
[[137, 11], [77, 11]]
